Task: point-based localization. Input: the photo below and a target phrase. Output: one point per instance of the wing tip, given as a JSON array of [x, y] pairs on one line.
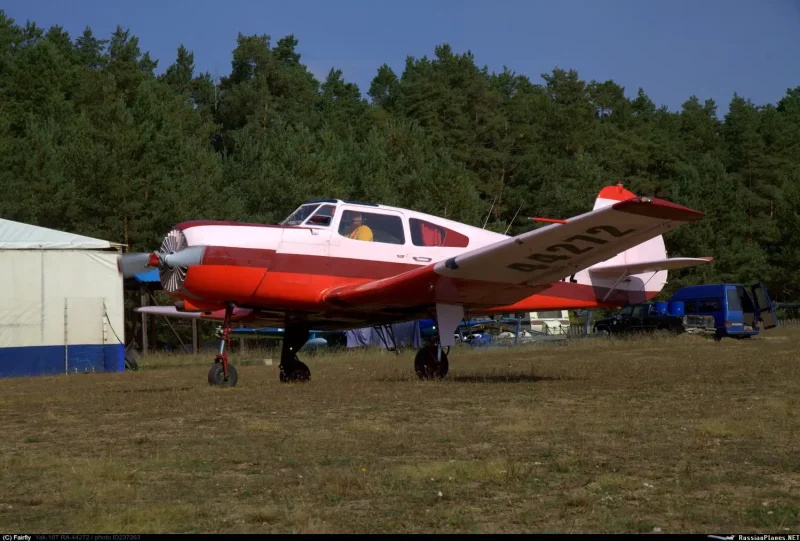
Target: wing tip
[[658, 208]]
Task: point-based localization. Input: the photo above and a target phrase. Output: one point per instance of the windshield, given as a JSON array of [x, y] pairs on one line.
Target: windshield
[[300, 215]]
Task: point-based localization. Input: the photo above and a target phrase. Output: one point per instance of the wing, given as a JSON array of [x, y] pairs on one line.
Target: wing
[[515, 268], [171, 311], [239, 314]]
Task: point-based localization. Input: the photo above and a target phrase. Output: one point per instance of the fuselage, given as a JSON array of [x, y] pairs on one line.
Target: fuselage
[[289, 267]]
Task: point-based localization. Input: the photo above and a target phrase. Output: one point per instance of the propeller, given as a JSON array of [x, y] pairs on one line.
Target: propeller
[[132, 264]]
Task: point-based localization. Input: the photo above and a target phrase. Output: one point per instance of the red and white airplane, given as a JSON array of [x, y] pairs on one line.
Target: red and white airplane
[[338, 265]]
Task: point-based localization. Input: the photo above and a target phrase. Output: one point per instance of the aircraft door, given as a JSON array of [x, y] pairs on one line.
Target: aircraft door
[[368, 243], [764, 308], [304, 250]]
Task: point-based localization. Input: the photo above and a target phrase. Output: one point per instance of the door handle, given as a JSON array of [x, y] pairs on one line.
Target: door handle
[[401, 256], [423, 259]]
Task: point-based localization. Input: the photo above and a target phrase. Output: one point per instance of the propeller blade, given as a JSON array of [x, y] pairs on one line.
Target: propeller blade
[[132, 264]]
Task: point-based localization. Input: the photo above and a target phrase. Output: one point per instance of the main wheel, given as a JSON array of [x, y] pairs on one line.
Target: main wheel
[[425, 364], [296, 371], [216, 376]]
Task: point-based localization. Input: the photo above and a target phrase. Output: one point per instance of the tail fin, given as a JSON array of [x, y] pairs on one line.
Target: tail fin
[[639, 273], [651, 250]]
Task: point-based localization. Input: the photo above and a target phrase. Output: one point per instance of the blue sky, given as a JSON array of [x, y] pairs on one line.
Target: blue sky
[[671, 48]]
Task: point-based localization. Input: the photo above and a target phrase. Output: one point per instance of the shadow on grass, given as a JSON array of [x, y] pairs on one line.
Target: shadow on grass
[[154, 390], [486, 378], [506, 378]]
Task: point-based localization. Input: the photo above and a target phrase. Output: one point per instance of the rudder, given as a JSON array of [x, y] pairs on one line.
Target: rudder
[[644, 286], [650, 250]]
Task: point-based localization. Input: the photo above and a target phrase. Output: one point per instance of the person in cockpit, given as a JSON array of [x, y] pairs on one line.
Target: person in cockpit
[[359, 230]]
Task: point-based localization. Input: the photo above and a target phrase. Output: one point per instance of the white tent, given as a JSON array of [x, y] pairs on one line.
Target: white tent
[[61, 303]]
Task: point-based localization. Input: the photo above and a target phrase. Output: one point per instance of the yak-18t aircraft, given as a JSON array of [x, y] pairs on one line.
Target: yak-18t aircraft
[[338, 265]]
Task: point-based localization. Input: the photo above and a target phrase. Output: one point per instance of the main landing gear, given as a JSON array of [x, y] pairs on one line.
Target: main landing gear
[[292, 368], [431, 361]]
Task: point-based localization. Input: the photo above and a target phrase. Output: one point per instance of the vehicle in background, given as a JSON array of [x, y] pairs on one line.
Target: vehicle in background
[[737, 312], [717, 309], [657, 316], [542, 322], [547, 322]]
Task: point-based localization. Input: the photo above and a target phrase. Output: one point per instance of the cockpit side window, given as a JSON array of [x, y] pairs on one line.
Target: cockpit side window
[[372, 227], [427, 234], [323, 217], [300, 215], [326, 210]]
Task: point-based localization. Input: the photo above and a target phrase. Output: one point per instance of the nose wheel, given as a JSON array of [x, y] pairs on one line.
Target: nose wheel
[[222, 373], [218, 378]]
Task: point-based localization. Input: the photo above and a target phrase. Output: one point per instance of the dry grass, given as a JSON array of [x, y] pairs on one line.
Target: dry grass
[[681, 434]]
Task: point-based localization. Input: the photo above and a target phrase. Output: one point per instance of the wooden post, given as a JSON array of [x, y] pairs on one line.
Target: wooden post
[[143, 293]]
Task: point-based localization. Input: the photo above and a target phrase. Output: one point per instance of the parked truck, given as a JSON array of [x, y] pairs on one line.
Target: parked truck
[[656, 316]]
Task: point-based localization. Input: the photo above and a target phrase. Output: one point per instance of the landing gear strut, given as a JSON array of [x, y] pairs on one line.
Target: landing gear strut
[[292, 369], [431, 361], [222, 373]]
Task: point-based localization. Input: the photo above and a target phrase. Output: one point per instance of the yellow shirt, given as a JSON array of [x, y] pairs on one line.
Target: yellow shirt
[[362, 232]]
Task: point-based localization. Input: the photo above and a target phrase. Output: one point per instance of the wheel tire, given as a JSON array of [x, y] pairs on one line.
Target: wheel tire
[[216, 376], [296, 372], [425, 364]]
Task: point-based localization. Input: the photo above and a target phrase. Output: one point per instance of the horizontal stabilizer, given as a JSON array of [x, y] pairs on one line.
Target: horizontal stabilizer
[[640, 267]]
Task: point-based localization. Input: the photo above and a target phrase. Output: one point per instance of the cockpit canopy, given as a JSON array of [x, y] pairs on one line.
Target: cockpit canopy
[[382, 225], [322, 216]]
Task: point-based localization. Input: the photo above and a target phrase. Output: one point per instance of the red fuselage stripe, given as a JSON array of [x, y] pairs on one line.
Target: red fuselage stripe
[[314, 265]]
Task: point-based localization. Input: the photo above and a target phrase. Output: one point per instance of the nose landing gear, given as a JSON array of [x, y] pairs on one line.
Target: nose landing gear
[[222, 373]]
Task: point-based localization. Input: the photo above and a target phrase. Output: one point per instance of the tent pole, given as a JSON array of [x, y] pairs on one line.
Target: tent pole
[[183, 346], [143, 303]]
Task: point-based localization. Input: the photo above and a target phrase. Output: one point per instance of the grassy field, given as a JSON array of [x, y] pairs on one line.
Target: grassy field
[[657, 434]]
